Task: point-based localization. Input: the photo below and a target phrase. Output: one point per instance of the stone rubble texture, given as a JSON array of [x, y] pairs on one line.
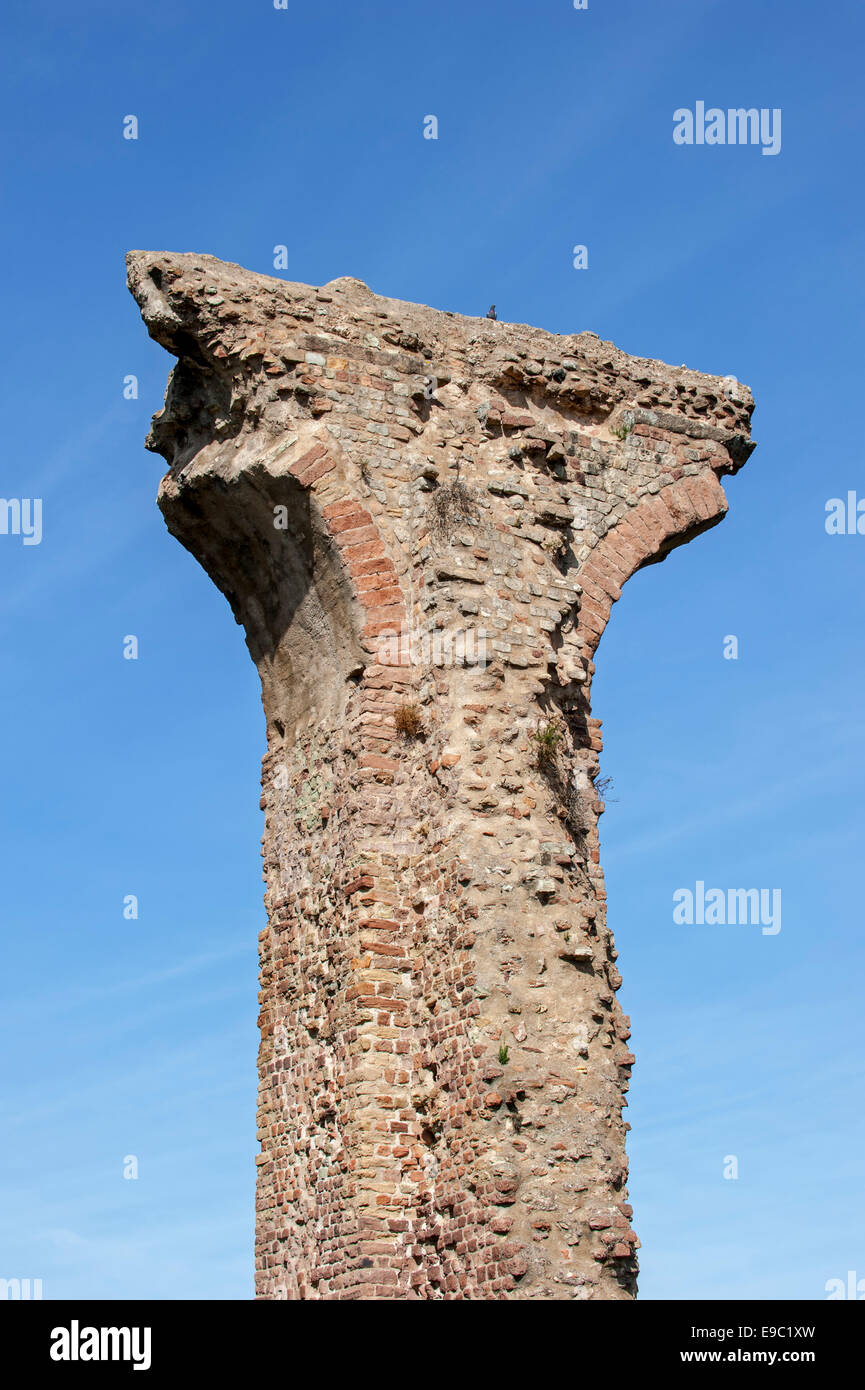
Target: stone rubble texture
[[443, 1060]]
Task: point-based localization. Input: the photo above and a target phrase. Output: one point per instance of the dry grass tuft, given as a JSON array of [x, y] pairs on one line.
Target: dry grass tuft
[[408, 720]]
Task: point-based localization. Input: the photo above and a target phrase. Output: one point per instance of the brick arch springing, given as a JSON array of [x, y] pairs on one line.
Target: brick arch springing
[[656, 525]]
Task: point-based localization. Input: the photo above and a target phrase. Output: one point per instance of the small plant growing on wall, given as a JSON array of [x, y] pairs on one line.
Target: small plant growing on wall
[[503, 1054], [408, 720], [578, 803], [603, 787], [546, 739], [450, 507]]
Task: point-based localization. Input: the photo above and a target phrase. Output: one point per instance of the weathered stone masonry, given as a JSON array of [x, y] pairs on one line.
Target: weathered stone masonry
[[443, 1061]]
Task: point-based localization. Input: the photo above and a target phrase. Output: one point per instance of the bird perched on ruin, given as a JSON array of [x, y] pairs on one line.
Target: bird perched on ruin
[[491, 312]]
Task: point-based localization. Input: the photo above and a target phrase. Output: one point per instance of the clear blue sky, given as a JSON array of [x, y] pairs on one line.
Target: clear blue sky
[[304, 127]]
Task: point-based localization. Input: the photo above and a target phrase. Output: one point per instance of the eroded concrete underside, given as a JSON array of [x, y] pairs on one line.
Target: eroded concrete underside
[[422, 520]]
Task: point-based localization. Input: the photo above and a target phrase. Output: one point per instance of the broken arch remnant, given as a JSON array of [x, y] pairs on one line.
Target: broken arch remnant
[[443, 1062]]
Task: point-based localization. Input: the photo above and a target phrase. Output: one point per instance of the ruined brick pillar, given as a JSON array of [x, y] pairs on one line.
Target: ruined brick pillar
[[421, 521]]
